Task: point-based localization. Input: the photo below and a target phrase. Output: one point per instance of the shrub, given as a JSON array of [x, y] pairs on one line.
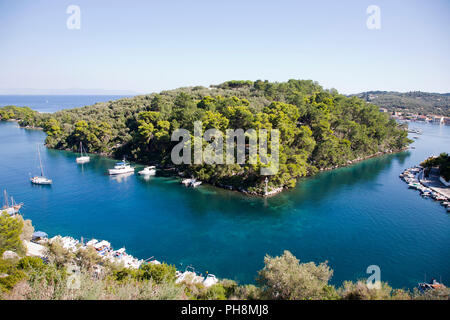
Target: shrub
[[159, 273], [286, 279], [10, 234]]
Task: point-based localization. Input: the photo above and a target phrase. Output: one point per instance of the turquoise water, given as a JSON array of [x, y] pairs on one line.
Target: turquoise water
[[353, 217]]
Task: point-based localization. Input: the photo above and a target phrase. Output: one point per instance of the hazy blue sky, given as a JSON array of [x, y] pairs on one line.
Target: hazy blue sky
[[147, 46]]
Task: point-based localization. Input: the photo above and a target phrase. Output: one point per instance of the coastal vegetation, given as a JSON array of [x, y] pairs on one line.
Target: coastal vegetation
[[442, 162], [414, 102], [24, 114], [52, 278], [319, 129]]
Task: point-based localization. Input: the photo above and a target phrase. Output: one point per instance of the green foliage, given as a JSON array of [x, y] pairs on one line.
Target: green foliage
[[24, 114], [414, 102], [31, 263], [442, 162], [158, 273], [215, 292], [10, 234], [284, 278], [359, 291], [318, 128], [10, 275]]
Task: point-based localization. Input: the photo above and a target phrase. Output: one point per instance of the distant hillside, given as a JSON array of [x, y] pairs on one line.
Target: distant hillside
[[416, 102]]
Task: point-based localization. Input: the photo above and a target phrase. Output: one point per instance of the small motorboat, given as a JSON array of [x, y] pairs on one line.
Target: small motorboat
[[195, 183], [121, 168], [186, 182], [191, 182], [148, 171]]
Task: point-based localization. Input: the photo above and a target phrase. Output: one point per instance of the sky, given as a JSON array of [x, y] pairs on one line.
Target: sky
[[149, 46]]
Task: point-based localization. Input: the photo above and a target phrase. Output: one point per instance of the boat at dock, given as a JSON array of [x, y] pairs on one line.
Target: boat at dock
[[41, 180], [121, 168], [10, 208], [82, 158], [426, 286], [148, 171], [416, 131], [210, 280]]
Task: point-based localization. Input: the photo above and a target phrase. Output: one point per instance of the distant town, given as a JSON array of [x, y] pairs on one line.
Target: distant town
[[409, 116]]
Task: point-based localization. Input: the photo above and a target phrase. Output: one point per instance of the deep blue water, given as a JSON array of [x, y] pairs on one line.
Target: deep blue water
[[52, 103], [353, 217]]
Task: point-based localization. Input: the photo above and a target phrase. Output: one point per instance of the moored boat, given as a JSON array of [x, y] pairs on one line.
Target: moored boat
[[10, 208], [148, 171], [41, 180], [210, 280], [121, 168], [82, 158]]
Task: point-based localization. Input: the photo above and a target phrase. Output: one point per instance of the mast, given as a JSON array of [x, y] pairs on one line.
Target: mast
[[81, 149], [40, 162], [6, 199]]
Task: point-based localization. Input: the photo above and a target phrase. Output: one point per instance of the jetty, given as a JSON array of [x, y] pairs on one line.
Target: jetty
[[429, 187], [37, 247]]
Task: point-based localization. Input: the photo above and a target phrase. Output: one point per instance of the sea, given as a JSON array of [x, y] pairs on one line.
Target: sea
[[353, 217]]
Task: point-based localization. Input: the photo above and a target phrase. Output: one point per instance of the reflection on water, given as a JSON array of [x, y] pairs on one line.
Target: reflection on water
[[121, 177]]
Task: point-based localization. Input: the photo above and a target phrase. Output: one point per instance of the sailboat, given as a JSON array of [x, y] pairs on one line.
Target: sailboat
[[40, 179], [81, 158], [12, 208]]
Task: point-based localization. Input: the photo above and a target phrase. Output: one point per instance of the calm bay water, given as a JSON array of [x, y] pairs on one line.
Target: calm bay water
[[52, 103], [353, 217]]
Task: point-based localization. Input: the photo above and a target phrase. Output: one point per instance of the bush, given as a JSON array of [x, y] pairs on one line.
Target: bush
[[31, 263], [9, 275], [159, 273], [284, 278], [359, 291], [215, 292], [10, 234]]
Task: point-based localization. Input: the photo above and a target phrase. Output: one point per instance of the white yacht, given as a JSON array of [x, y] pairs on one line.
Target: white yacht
[[121, 168], [83, 158], [40, 179], [148, 171]]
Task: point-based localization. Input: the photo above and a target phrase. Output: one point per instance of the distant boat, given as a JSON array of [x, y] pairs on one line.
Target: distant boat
[[191, 182], [148, 171], [40, 179], [10, 208], [121, 168], [81, 158]]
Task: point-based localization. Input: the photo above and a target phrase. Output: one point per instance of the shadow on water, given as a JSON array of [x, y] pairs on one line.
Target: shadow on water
[[206, 198]]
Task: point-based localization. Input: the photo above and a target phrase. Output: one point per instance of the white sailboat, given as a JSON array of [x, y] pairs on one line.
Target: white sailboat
[[83, 159], [40, 179], [10, 208]]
